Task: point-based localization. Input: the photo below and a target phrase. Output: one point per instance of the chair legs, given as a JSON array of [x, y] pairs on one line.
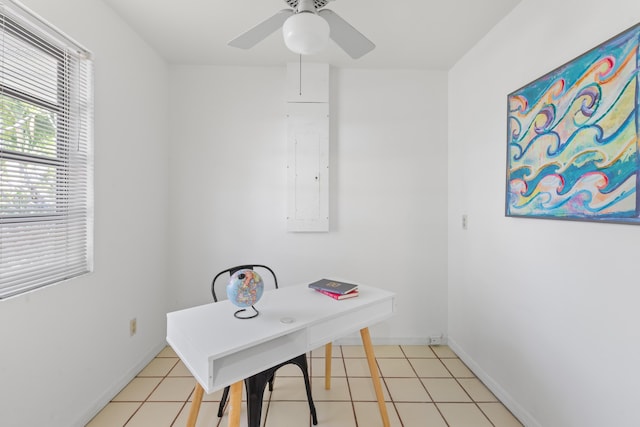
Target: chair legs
[[223, 401], [256, 384], [225, 396], [307, 384]]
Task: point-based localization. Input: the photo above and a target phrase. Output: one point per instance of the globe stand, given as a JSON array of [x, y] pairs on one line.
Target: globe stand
[[237, 316]]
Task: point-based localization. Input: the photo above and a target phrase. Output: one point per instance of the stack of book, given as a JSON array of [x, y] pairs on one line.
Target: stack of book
[[335, 289]]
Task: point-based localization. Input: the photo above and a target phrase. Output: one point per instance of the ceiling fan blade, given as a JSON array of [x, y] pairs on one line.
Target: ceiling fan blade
[[258, 33], [348, 38]]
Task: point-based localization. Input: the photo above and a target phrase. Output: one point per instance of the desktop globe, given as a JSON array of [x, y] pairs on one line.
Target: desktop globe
[[245, 288]]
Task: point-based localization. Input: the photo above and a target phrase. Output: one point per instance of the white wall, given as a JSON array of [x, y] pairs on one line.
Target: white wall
[[387, 187], [545, 311], [66, 348]]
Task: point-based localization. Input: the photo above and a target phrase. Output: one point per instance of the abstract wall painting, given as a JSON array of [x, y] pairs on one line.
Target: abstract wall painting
[[572, 138]]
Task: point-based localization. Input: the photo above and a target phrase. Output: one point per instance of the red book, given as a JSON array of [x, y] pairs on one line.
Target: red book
[[338, 296]]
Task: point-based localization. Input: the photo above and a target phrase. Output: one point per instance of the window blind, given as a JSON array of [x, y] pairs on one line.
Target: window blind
[[46, 154]]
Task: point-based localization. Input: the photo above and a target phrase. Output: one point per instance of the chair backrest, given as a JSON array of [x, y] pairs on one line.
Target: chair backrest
[[224, 276]]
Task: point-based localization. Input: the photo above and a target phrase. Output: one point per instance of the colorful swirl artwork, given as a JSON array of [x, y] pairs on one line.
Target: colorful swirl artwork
[[572, 140]]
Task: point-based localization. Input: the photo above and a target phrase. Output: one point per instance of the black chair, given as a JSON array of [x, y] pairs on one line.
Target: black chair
[[256, 384]]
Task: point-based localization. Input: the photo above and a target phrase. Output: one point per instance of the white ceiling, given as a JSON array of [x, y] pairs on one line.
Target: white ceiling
[[431, 34]]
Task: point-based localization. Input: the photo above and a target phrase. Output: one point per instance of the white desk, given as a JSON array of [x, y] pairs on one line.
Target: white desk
[[221, 350]]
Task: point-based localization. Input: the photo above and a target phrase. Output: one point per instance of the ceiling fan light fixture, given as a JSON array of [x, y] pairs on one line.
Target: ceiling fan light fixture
[[306, 33]]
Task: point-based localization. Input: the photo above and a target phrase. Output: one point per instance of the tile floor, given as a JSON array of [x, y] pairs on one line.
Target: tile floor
[[423, 387]]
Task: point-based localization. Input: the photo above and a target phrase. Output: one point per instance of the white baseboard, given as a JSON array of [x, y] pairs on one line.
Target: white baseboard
[[121, 383], [516, 409], [356, 340]]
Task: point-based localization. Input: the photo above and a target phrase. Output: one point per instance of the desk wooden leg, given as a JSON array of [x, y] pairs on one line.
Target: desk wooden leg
[[236, 404], [327, 366], [371, 359], [195, 406]]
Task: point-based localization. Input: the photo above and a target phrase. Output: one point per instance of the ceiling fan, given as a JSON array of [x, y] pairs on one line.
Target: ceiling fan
[[306, 28]]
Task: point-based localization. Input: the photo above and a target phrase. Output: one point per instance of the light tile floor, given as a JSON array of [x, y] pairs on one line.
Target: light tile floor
[[423, 387]]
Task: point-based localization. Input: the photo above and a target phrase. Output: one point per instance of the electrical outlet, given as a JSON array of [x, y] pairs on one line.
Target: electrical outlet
[[436, 339], [133, 326], [465, 221]]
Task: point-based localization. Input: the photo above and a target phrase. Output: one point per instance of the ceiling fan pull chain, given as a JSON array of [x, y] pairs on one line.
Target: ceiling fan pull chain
[[300, 78]]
